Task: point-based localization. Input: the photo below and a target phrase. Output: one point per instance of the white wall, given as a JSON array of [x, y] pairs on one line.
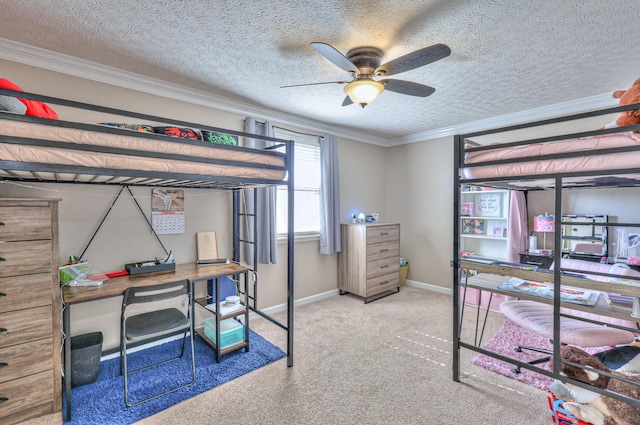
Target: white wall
[[420, 197], [125, 236]]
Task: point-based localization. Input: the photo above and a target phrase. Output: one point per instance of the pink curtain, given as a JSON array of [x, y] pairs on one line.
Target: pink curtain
[[517, 230]]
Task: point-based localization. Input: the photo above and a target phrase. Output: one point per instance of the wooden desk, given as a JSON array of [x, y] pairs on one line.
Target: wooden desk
[[118, 285], [490, 282]]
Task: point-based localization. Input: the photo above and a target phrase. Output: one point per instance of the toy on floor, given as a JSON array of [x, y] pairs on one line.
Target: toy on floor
[[601, 410]]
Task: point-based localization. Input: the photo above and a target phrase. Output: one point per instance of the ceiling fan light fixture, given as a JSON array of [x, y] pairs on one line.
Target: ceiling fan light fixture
[[363, 91]]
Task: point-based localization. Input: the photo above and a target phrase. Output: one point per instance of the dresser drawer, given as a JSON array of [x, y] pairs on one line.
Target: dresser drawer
[[25, 359], [382, 284], [25, 393], [377, 234], [19, 292], [382, 267], [25, 223], [22, 326], [20, 258], [383, 250]]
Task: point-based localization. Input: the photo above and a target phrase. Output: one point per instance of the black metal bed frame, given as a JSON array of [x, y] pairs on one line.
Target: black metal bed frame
[[556, 182], [52, 173]]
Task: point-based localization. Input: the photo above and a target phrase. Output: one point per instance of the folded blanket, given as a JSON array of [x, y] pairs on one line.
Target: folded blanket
[[13, 105], [34, 108]]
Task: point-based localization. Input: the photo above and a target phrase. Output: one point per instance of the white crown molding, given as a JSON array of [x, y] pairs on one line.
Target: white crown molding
[[65, 64], [551, 111]]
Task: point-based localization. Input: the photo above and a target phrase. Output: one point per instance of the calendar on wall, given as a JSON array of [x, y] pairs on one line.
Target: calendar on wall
[[167, 211]]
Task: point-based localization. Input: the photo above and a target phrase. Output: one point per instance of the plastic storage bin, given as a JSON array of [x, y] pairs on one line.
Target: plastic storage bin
[[231, 331], [85, 358]]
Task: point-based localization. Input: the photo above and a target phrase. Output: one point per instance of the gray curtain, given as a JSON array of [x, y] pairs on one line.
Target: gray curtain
[[267, 238], [330, 242]]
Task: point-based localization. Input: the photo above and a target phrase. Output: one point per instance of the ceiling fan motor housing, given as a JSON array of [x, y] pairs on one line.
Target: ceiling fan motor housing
[[367, 59]]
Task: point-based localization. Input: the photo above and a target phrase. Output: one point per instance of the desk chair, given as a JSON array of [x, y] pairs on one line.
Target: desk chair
[[538, 318], [168, 311]]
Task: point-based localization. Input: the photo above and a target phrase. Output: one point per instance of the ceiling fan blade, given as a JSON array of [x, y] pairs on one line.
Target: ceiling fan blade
[[347, 101], [414, 60], [407, 87], [315, 84], [337, 58]]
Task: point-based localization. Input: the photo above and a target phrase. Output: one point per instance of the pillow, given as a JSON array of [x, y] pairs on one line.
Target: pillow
[[220, 138], [13, 105], [135, 127], [34, 108], [184, 133], [622, 359]]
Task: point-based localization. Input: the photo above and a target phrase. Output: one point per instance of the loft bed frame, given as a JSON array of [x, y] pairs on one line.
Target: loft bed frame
[[205, 166], [510, 170]]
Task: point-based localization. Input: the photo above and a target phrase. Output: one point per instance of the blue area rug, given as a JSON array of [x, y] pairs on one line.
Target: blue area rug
[[102, 402]]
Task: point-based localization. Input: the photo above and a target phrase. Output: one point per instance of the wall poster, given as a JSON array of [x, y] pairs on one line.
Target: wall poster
[[167, 211]]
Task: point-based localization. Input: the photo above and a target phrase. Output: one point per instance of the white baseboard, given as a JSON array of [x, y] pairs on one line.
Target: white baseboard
[[302, 301], [429, 287]]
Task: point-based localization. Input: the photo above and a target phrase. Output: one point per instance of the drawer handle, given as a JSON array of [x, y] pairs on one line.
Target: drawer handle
[[535, 263], [3, 330], [382, 283], [3, 365], [3, 399], [384, 250], [384, 234], [384, 267], [2, 294], [3, 259], [1, 223]]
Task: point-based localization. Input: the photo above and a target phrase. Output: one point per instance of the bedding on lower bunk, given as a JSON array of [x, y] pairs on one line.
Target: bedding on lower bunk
[[620, 160], [249, 163]]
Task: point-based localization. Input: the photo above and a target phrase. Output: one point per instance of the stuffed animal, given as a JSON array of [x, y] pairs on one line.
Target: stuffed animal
[[628, 97], [602, 410]]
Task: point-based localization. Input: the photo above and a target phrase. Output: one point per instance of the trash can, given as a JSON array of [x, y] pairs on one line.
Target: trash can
[[403, 274], [85, 358], [404, 269]]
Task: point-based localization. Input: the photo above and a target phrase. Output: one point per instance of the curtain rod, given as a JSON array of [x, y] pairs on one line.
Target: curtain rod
[[293, 131]]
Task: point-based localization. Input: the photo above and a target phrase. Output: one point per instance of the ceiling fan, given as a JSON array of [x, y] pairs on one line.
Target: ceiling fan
[[363, 63]]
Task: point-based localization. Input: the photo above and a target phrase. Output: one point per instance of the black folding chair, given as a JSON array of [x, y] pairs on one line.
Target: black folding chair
[[168, 311]]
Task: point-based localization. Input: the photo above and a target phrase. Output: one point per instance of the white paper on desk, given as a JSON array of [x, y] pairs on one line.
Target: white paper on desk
[[225, 308]]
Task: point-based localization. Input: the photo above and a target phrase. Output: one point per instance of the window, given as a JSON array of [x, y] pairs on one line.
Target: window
[[307, 186]]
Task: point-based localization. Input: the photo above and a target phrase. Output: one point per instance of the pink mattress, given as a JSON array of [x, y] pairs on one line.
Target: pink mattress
[[555, 166], [48, 155]]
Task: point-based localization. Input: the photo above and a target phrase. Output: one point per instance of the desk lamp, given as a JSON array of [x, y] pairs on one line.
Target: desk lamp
[[544, 224]]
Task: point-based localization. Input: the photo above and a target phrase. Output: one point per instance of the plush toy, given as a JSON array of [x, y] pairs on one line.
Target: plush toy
[[628, 97], [602, 410]]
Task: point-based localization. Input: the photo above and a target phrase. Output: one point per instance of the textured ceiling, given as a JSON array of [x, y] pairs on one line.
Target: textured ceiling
[[507, 55]]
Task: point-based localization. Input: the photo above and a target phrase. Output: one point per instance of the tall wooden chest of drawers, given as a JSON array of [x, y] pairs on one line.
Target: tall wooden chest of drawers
[[369, 263], [30, 321]]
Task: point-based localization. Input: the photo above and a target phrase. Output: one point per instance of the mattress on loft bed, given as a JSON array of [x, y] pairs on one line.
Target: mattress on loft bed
[[620, 160], [50, 155]]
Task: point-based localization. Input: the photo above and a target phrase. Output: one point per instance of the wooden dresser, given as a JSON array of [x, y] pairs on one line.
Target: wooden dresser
[[369, 264], [30, 321]]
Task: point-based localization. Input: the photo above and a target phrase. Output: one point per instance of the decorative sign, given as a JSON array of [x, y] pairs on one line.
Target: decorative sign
[[167, 211], [489, 205]]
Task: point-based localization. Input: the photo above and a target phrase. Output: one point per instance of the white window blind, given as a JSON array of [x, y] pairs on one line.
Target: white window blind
[[307, 186]]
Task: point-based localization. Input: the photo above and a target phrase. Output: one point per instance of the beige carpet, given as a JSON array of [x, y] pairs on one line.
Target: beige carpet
[[386, 362]]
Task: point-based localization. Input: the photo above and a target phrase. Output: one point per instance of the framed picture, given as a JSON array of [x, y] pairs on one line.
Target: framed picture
[[473, 226], [489, 205], [497, 231]]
